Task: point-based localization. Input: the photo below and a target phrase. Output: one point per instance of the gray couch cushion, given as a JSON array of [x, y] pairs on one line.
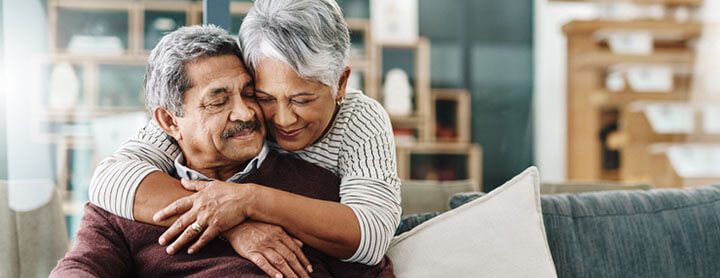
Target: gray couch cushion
[[658, 233], [31, 242]]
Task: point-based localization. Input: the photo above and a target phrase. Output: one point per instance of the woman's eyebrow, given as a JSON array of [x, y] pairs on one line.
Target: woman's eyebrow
[[302, 94]]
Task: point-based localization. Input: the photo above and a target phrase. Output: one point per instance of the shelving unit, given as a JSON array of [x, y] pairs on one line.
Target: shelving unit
[[442, 162], [670, 3], [450, 115], [595, 113], [130, 28], [420, 79]]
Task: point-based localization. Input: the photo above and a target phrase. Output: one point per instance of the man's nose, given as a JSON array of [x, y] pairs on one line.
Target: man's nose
[[241, 112]]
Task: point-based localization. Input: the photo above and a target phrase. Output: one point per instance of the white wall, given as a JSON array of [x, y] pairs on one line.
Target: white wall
[[25, 37], [550, 85]]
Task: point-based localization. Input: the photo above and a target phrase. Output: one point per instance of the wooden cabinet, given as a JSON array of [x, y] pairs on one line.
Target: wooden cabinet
[[594, 111]]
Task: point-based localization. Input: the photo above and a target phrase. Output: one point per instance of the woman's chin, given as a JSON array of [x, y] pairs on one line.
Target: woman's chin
[[290, 146]]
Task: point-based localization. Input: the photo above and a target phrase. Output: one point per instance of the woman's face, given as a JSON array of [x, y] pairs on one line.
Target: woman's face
[[297, 111]]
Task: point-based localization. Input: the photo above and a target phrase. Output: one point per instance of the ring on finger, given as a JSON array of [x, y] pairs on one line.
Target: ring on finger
[[196, 227]]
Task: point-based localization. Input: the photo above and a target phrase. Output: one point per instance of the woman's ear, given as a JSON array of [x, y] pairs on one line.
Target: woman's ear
[[342, 84], [168, 122]]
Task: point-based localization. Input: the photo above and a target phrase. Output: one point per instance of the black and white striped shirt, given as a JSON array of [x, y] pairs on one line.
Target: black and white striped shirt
[[359, 148]]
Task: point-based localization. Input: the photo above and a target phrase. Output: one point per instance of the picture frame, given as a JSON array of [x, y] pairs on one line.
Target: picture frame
[[394, 21]]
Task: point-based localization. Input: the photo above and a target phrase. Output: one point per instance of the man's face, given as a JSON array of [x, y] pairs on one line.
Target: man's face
[[222, 124]]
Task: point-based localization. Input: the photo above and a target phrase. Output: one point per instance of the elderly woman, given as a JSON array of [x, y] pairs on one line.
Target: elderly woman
[[298, 53]]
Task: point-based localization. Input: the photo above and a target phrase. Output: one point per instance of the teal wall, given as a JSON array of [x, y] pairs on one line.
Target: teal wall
[[486, 47]]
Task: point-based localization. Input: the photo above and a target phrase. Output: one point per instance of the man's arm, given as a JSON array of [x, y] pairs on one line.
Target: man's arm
[[100, 250]]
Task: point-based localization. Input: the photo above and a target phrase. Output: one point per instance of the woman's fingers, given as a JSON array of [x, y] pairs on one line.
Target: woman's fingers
[[209, 234], [176, 208], [183, 223], [195, 185], [190, 233]]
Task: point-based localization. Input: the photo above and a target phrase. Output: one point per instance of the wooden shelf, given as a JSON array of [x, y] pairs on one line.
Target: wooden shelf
[[661, 28], [411, 119], [604, 59], [593, 110], [123, 59], [604, 98], [69, 115], [690, 3], [473, 153], [461, 100]]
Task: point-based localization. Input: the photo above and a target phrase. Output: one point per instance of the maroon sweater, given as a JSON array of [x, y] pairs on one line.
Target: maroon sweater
[[111, 246]]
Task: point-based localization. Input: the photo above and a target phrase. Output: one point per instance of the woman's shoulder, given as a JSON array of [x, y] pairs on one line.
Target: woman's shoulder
[[359, 109], [356, 99]]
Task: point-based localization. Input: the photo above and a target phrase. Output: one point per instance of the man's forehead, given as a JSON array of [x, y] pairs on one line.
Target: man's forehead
[[213, 72]]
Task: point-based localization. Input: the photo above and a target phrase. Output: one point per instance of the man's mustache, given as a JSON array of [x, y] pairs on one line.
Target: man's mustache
[[240, 127]]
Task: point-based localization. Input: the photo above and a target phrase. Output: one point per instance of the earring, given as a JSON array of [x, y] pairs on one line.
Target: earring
[[340, 101]]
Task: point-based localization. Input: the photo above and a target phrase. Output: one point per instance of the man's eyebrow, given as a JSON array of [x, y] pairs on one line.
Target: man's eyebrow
[[219, 90]]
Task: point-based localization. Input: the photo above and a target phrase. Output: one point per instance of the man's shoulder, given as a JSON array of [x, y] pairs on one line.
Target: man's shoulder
[[95, 215], [290, 164], [289, 173]]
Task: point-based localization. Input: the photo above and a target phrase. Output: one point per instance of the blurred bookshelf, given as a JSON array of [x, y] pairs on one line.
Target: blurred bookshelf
[[630, 114], [97, 51]]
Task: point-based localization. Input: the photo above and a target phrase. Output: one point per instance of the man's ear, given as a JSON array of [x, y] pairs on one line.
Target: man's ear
[[167, 121], [342, 84]]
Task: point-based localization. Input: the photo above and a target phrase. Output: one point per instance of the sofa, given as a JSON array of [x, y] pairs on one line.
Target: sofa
[[629, 233], [33, 235]]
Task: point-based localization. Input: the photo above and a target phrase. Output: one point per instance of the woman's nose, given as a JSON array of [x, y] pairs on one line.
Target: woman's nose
[[284, 116]]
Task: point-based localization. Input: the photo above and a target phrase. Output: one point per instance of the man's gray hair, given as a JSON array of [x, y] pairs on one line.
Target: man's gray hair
[[165, 76], [310, 36]]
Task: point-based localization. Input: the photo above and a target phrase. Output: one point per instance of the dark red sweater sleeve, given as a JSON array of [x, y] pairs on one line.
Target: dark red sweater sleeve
[[100, 251]]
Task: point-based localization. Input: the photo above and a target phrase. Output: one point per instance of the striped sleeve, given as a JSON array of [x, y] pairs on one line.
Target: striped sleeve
[[117, 177], [370, 186]]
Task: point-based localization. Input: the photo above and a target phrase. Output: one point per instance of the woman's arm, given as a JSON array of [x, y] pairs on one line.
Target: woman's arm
[[360, 228], [328, 226], [370, 185]]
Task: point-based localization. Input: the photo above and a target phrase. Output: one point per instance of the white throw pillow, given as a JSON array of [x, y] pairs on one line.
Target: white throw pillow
[[500, 234]]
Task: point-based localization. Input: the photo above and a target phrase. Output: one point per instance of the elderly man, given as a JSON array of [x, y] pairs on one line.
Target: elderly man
[[200, 94]]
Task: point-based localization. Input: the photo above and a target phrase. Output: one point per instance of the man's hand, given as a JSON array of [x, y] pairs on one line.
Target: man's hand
[[270, 248], [217, 208]]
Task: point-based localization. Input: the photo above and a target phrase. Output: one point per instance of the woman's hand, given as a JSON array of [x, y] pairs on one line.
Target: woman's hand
[[270, 248], [217, 208]]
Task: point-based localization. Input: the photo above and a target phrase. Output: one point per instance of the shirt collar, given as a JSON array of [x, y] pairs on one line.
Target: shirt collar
[[184, 172]]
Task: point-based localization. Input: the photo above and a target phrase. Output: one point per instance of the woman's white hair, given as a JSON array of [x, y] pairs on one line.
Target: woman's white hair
[[310, 36]]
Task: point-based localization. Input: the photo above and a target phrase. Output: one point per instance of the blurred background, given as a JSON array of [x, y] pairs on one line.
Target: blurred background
[[598, 94]]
